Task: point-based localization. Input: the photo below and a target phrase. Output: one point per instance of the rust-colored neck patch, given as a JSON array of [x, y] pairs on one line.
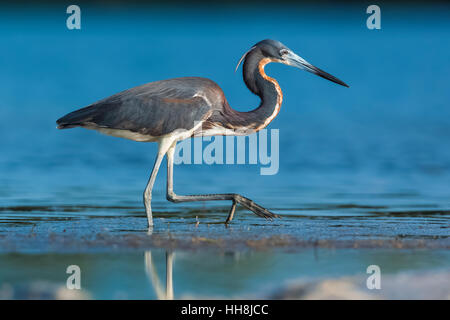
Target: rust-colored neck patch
[[261, 66], [263, 74]]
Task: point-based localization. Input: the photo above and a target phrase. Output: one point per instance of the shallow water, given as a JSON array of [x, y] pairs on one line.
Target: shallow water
[[363, 172]]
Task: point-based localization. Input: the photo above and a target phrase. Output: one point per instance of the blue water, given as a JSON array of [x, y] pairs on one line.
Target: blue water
[[348, 156]]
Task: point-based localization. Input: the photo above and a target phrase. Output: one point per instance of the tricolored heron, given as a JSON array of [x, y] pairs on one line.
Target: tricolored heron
[[171, 110]]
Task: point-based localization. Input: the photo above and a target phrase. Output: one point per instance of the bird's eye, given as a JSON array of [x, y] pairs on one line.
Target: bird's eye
[[283, 52]]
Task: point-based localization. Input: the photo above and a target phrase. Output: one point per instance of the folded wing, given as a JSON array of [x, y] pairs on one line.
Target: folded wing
[[153, 109]]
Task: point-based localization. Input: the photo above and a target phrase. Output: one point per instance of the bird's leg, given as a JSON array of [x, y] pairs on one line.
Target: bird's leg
[[152, 274], [234, 197], [231, 213], [148, 190], [169, 276]]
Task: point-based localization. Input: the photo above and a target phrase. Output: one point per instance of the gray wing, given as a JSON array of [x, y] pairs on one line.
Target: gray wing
[[155, 108]]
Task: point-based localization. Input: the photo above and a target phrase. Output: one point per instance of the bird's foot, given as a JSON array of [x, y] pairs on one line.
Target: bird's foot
[[252, 206]]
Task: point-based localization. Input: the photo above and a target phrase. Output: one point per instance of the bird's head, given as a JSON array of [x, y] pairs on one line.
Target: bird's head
[[278, 52]]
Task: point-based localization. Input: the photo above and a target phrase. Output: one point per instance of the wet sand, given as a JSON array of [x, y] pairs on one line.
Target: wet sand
[[69, 228]]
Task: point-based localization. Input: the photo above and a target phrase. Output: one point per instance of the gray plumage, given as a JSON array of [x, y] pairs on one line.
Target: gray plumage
[[155, 109]]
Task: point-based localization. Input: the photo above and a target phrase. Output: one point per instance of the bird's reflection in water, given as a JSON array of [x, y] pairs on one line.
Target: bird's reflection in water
[[152, 274]]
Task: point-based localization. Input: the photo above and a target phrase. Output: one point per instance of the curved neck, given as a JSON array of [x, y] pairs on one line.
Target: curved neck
[[262, 85]]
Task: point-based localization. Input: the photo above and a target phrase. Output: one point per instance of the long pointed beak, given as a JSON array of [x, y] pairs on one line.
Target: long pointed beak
[[296, 61]]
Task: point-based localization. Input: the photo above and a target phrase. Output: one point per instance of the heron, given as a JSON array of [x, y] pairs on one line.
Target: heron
[[168, 111]]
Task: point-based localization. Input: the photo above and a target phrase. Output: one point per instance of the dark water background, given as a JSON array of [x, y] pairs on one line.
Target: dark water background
[[371, 161]]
